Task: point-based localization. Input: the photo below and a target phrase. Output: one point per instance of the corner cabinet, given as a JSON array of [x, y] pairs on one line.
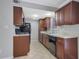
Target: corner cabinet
[[66, 48], [21, 45], [17, 16]]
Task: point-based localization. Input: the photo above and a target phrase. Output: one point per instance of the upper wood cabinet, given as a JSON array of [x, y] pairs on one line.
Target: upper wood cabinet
[[68, 14], [17, 16], [44, 24], [60, 17]]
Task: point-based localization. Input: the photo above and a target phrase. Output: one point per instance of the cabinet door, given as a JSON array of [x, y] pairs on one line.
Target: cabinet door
[[68, 14], [71, 48], [60, 48], [58, 17], [75, 12], [41, 37], [20, 45], [17, 16], [47, 41], [47, 22], [61, 16], [44, 39], [42, 25]]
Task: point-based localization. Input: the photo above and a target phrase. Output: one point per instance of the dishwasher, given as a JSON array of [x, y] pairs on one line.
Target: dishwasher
[[52, 45]]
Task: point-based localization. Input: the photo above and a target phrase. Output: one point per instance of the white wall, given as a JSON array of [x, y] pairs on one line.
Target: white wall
[[34, 29], [6, 29]]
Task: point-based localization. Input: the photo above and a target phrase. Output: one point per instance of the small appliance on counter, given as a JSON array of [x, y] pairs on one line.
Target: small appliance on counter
[[23, 29]]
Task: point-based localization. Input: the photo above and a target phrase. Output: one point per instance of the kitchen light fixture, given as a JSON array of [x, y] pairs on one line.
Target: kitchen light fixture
[[50, 14], [35, 16]]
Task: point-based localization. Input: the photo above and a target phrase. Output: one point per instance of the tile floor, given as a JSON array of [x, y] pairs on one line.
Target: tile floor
[[37, 51]]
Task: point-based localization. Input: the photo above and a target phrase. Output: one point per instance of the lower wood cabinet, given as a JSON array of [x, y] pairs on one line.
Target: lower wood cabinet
[[21, 45], [66, 48], [46, 40], [40, 37]]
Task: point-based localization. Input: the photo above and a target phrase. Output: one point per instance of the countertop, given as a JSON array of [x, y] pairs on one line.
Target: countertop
[[22, 34], [61, 34], [65, 31]]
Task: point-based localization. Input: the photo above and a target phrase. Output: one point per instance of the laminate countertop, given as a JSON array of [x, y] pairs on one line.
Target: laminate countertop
[[60, 34], [22, 34]]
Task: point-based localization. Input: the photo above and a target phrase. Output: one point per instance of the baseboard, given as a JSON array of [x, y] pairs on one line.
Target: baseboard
[[8, 57]]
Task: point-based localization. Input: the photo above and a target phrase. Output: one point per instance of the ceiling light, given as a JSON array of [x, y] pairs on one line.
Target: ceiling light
[[35, 16], [50, 14]]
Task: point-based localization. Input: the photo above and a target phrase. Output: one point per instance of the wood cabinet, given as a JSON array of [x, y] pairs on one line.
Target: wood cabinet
[[75, 10], [44, 24], [41, 37], [66, 48], [17, 16], [21, 45], [68, 14], [60, 17], [57, 17], [45, 40], [60, 48]]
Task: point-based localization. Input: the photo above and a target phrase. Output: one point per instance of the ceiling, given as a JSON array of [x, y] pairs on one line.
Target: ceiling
[[36, 13], [41, 8], [52, 3]]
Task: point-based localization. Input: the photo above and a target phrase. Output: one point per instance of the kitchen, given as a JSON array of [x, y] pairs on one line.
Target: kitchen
[[56, 35]]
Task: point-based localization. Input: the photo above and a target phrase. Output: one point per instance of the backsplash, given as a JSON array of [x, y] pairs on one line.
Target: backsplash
[[70, 29]]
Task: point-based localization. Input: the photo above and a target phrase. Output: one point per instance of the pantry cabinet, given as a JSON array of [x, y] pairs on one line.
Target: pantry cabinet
[[17, 11], [68, 14]]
